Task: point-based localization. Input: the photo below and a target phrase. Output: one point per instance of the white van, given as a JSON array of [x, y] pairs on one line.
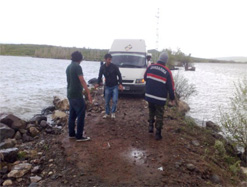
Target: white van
[[130, 57]]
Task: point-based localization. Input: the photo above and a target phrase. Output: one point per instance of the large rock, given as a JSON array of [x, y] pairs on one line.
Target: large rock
[[13, 121], [8, 183], [244, 170], [37, 118], [18, 135], [8, 143], [26, 138], [35, 179], [57, 114], [61, 104], [43, 124], [33, 131], [5, 132], [212, 126], [48, 110], [183, 107], [20, 170], [10, 154]]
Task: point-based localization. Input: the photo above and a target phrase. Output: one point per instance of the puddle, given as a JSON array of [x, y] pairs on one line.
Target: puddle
[[135, 155]]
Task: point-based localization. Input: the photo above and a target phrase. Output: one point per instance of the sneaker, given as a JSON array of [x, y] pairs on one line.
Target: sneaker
[[106, 116], [113, 116], [71, 137], [83, 139]]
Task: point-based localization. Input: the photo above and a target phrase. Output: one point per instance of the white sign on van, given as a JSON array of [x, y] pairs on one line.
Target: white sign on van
[[128, 47]]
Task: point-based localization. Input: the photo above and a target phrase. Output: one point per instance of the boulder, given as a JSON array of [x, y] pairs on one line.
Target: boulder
[[35, 179], [93, 81], [8, 183], [61, 104], [18, 135], [23, 131], [37, 119], [212, 126], [190, 167], [13, 122], [36, 169], [57, 114], [43, 124], [244, 170], [8, 143], [48, 110], [215, 179], [5, 132], [33, 131], [26, 138], [10, 154], [19, 170], [183, 107]]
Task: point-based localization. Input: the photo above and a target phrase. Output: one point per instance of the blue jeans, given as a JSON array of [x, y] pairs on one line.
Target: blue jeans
[[77, 109], [111, 92]]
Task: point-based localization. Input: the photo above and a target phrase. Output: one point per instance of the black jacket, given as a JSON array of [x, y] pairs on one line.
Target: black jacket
[[110, 73]]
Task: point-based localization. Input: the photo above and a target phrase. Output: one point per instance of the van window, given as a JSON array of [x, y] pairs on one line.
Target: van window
[[128, 60]]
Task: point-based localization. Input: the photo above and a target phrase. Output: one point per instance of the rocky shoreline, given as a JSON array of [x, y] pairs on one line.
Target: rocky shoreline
[[32, 153], [18, 156]]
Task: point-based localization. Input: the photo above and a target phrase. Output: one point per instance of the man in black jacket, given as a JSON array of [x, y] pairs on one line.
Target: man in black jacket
[[112, 84]]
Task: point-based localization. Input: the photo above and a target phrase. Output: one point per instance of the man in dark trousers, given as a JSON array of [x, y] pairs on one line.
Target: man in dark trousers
[[77, 107], [113, 82], [159, 83]]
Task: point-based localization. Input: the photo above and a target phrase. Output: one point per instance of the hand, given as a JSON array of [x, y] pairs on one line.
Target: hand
[[172, 103], [120, 87], [90, 98]]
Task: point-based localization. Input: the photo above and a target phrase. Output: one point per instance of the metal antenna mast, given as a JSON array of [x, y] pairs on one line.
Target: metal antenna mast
[[157, 31]]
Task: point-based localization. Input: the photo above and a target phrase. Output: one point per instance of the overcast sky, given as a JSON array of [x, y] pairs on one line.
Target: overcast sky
[[204, 28]]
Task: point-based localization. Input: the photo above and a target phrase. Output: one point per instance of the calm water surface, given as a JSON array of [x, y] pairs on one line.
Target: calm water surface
[[27, 85], [215, 86]]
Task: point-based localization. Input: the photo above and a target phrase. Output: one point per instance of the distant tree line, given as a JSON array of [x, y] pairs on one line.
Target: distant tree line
[[176, 58], [46, 51]]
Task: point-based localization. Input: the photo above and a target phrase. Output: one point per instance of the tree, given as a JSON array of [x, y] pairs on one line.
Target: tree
[[234, 121], [183, 88]]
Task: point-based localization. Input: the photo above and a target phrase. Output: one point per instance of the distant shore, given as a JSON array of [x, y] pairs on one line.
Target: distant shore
[[58, 52]]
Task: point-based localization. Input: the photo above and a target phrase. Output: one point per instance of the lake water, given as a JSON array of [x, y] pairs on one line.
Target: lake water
[[27, 85]]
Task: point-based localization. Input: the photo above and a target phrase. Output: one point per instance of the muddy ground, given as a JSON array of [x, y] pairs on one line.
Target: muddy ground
[[123, 153]]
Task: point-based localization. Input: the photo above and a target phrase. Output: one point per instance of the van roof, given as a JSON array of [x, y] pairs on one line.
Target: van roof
[[128, 45]]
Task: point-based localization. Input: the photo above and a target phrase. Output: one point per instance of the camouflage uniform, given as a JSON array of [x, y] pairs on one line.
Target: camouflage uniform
[[158, 112]]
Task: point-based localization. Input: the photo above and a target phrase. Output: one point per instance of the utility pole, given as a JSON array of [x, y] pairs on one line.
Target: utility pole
[[157, 34]]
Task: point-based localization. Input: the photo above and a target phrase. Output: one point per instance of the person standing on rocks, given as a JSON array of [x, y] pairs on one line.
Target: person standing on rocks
[[113, 82], [77, 108], [159, 83]]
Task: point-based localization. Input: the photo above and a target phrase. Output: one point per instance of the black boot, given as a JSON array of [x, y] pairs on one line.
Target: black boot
[[158, 134], [151, 126]]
